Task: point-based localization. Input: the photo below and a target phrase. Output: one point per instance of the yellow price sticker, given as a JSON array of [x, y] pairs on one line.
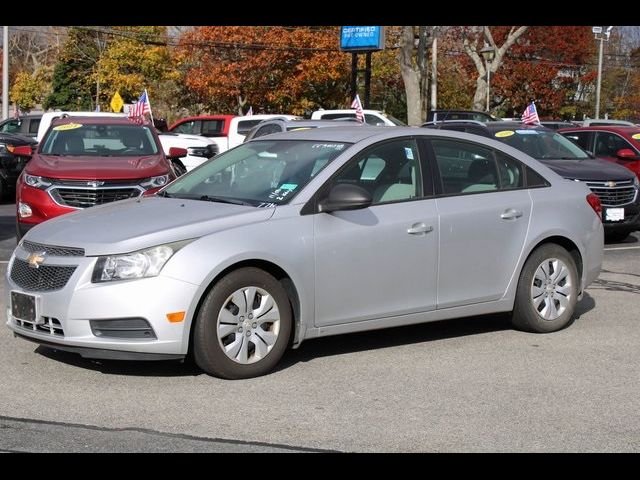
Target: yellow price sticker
[[505, 133], [67, 126]]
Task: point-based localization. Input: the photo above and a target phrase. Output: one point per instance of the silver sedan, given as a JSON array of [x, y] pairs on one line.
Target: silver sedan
[[308, 234]]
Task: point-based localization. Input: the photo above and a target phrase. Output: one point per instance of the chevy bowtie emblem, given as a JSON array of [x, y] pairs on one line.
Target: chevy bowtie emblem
[[611, 184], [95, 183], [36, 259]]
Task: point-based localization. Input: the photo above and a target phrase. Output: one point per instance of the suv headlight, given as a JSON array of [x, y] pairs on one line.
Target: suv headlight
[[141, 264], [155, 182], [636, 182], [37, 182], [3, 148]]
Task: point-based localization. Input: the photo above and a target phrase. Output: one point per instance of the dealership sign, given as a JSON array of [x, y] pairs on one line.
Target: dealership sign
[[361, 38]]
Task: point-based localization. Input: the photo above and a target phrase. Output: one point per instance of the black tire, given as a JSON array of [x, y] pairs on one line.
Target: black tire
[[525, 315], [208, 351], [618, 236]]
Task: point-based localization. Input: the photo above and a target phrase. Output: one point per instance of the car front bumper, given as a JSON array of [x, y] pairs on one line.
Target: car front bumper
[[63, 317]]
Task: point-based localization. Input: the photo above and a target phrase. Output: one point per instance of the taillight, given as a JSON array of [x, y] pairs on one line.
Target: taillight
[[594, 201]]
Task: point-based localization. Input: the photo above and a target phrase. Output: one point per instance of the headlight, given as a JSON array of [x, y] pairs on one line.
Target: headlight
[[142, 264], [3, 148], [155, 182], [37, 182], [636, 182]]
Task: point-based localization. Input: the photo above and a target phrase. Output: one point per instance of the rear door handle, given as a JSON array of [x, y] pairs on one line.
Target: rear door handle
[[419, 229], [511, 214]]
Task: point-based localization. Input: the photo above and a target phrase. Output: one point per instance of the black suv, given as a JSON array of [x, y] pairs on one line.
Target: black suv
[[11, 165], [24, 125], [444, 115], [616, 186]]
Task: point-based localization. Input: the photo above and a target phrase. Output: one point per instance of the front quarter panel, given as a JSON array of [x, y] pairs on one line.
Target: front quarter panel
[[285, 240]]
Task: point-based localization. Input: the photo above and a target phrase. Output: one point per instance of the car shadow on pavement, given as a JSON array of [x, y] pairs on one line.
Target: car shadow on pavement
[[7, 227], [161, 368], [321, 347]]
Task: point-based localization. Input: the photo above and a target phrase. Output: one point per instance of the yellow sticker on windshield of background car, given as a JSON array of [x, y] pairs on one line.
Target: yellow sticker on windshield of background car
[[505, 133], [67, 126], [636, 136]]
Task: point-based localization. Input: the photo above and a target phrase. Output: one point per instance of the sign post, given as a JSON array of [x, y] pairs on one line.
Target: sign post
[[361, 39]]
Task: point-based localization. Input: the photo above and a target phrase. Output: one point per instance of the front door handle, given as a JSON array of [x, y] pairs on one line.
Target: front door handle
[[511, 214], [419, 229]]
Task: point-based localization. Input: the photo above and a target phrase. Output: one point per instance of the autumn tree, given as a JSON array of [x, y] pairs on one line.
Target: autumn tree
[[28, 90], [272, 69]]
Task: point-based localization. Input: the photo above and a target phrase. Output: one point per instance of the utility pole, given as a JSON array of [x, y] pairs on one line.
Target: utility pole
[[434, 73], [599, 35], [5, 73]]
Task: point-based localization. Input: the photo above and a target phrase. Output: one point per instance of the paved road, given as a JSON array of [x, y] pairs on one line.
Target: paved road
[[464, 385]]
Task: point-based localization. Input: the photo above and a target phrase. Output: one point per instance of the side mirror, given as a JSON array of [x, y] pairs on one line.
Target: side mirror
[[626, 154], [345, 197], [177, 152], [22, 151]]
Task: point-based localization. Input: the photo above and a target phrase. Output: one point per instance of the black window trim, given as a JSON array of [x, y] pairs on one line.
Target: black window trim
[[311, 207]]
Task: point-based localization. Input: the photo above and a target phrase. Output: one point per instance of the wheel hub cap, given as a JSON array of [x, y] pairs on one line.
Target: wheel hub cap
[[551, 288]]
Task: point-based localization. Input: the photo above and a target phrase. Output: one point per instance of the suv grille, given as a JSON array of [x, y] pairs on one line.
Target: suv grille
[[88, 197], [52, 250], [622, 194], [45, 278]]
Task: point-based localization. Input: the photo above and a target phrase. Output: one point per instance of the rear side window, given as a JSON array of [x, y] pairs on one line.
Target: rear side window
[[579, 138], [534, 179], [465, 167], [510, 171], [245, 125], [192, 127], [267, 130], [33, 126], [212, 127]]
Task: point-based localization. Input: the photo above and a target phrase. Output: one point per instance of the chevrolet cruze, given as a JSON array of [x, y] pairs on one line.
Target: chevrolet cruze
[[307, 234]]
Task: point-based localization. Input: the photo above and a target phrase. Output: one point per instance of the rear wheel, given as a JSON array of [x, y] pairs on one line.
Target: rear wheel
[[243, 327], [547, 291]]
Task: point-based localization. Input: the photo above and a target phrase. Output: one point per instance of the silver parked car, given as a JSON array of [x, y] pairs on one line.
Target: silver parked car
[[306, 234]]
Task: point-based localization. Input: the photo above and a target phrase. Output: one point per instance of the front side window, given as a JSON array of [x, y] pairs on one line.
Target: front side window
[[259, 173], [99, 140], [582, 139], [389, 172], [608, 144], [192, 127]]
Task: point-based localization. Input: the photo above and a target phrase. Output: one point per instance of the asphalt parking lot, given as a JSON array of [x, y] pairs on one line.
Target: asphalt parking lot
[[467, 385]]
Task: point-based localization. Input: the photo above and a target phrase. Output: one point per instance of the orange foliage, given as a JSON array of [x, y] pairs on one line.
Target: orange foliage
[[273, 69]]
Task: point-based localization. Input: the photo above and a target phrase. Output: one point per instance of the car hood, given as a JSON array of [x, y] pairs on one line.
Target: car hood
[[16, 139], [134, 224], [97, 168], [590, 169]]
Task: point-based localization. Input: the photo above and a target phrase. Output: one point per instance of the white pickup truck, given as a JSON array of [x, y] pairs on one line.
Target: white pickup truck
[[371, 117], [227, 131]]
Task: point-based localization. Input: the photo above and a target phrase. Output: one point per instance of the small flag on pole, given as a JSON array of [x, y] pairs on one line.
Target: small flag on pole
[[141, 107], [249, 112], [530, 115], [358, 106]]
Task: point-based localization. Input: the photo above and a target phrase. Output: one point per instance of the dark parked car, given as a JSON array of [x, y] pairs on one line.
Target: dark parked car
[[616, 186], [11, 164], [24, 125], [443, 115], [557, 124], [617, 144]]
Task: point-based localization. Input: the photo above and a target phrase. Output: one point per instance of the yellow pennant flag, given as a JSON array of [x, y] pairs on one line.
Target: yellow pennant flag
[[116, 102]]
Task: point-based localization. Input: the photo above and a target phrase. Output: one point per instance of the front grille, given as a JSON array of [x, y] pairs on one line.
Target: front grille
[[51, 325], [52, 250], [88, 197], [45, 278], [622, 194]]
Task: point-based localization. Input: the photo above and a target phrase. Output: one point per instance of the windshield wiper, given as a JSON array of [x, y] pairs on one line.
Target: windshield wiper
[[163, 194], [233, 201]]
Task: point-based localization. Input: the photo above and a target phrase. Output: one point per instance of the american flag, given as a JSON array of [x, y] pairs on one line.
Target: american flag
[[141, 107], [358, 106], [530, 115]]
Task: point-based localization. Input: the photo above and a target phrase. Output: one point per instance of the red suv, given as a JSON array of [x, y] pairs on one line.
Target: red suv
[[618, 144], [87, 161]]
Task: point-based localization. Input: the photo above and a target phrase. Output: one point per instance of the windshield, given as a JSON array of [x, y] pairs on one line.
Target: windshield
[[99, 140], [541, 144], [260, 173]]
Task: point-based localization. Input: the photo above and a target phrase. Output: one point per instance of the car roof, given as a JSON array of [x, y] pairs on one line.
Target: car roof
[[310, 123], [205, 117], [624, 129]]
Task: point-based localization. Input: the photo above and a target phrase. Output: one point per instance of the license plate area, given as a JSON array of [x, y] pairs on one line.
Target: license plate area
[[614, 214], [25, 307]]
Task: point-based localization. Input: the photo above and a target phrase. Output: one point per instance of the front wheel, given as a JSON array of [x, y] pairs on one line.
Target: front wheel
[[547, 291], [243, 327]]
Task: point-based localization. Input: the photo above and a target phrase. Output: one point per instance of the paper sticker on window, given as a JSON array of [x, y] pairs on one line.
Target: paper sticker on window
[[334, 146], [527, 132], [289, 186], [67, 126], [504, 133], [408, 153]]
